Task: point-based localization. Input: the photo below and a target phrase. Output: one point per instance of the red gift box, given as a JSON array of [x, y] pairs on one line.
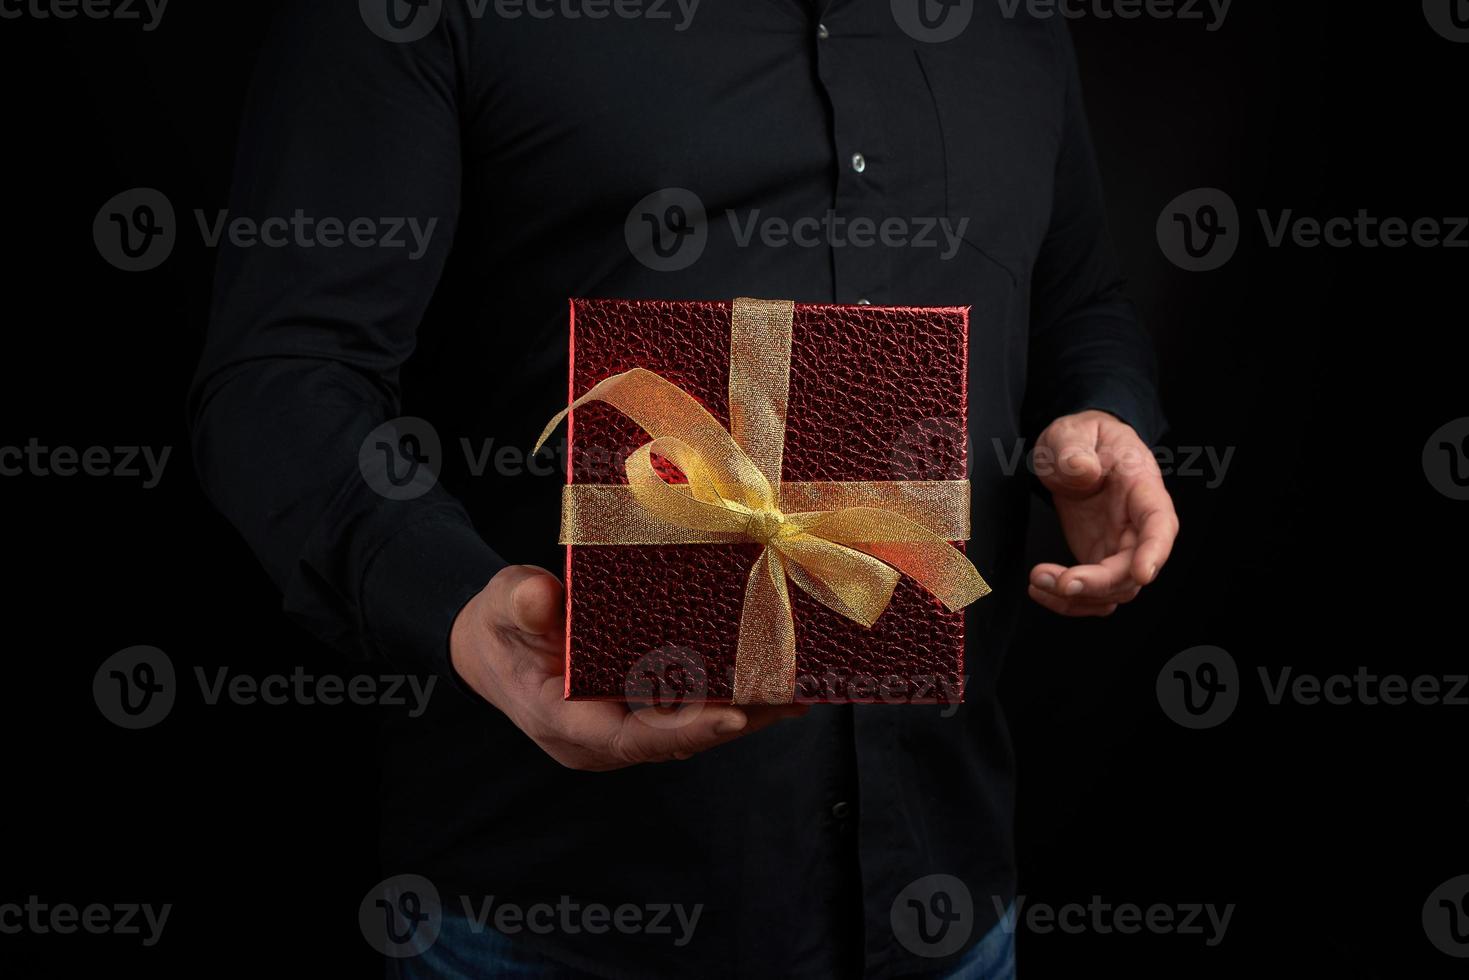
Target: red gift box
[[875, 394]]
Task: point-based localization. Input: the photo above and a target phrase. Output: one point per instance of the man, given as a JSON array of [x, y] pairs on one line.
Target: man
[[528, 153]]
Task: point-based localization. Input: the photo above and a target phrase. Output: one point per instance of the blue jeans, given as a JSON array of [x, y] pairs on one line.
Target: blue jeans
[[993, 957], [460, 953]]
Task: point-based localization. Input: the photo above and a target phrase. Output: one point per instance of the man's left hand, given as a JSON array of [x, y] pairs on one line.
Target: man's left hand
[[1116, 514]]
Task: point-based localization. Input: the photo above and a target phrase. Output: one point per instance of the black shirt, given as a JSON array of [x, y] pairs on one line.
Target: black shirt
[[543, 147]]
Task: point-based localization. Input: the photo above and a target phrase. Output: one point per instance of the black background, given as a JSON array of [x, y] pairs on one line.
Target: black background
[[1324, 548]]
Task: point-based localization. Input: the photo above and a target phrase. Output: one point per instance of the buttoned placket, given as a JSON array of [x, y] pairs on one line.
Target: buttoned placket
[[861, 272]]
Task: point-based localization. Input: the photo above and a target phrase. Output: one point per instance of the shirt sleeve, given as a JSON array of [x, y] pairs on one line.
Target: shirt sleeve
[[1088, 349], [311, 324]]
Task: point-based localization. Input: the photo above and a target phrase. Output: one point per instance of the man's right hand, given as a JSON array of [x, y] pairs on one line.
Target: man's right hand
[[508, 644]]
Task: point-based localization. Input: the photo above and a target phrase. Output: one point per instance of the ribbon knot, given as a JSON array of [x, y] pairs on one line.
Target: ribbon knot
[[847, 550], [766, 525]]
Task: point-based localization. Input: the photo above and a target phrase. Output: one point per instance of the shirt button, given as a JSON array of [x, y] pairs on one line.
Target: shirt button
[[821, 32], [859, 162], [842, 810], [864, 301]]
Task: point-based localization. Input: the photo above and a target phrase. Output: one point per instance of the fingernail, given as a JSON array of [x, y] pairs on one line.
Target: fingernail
[[1047, 582], [1152, 571], [1075, 586], [730, 723]]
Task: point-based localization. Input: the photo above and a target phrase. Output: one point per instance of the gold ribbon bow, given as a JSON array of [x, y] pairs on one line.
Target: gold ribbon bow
[[845, 544]]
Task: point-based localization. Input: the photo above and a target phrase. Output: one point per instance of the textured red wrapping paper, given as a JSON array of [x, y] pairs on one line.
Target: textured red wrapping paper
[[876, 393]]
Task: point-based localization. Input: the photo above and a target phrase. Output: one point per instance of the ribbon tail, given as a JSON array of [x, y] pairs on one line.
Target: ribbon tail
[[936, 565], [911, 548], [765, 660], [556, 420], [844, 580]]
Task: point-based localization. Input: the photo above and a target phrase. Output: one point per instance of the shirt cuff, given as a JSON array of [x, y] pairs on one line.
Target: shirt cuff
[[415, 586], [1133, 401]]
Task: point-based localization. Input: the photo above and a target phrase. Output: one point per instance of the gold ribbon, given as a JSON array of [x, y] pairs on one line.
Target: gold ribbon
[[844, 544]]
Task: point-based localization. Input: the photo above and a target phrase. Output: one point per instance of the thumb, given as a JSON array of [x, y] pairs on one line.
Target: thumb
[[1066, 456], [529, 599]]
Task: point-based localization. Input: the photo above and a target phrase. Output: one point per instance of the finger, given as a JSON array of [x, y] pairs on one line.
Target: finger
[[656, 735], [640, 738], [1150, 509], [1111, 574], [605, 735], [763, 716], [1121, 597], [758, 717], [528, 599], [1066, 456], [1072, 607], [1046, 575]]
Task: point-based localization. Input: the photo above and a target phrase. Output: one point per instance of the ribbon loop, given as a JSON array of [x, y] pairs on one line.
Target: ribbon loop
[[663, 409]]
